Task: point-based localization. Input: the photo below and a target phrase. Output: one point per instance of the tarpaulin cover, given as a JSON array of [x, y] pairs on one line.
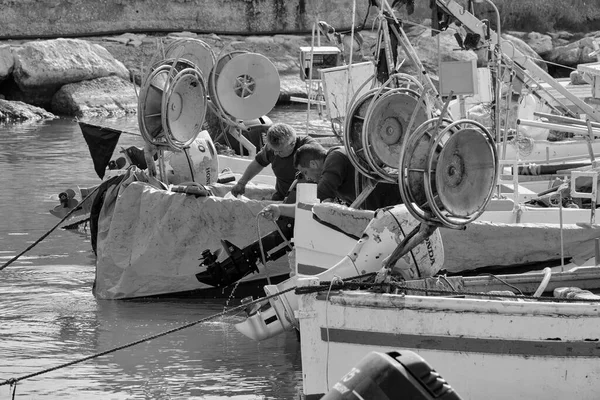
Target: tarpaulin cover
[[149, 240]]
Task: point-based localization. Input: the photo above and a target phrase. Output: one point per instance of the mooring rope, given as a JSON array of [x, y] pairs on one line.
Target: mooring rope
[[14, 381], [15, 258]]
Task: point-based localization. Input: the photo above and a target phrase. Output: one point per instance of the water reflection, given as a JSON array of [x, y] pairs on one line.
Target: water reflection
[[49, 317]]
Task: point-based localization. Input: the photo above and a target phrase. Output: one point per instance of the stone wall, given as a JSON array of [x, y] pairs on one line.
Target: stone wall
[[530, 15], [77, 18]]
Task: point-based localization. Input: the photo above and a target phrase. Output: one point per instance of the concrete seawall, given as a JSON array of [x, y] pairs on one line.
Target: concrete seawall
[[78, 18]]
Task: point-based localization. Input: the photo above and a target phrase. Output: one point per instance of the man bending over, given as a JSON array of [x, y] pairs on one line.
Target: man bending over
[[281, 145], [334, 174]]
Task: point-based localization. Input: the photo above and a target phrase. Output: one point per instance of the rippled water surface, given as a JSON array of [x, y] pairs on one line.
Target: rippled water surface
[[48, 316]]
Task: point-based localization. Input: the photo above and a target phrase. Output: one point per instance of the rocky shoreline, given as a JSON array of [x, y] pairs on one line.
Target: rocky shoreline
[[100, 76]]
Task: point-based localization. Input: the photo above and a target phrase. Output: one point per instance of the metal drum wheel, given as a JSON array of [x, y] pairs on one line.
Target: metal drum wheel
[[413, 161], [153, 93], [194, 50], [389, 117], [183, 108], [460, 182], [353, 133], [246, 86], [214, 74]]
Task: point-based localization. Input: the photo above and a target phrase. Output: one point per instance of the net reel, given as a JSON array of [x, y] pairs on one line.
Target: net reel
[[448, 171], [389, 117], [353, 134], [378, 120], [172, 104], [212, 82], [194, 50], [243, 85]]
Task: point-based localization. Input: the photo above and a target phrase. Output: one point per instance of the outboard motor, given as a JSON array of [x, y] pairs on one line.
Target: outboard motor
[[381, 237], [241, 262]]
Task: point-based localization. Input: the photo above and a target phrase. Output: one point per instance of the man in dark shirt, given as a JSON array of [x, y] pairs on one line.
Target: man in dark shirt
[[330, 169], [334, 174], [282, 143]]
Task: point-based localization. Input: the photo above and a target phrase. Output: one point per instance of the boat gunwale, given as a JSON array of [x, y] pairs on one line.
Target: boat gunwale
[[555, 308]]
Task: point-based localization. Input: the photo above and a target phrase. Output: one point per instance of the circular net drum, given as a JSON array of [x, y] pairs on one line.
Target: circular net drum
[[388, 120], [354, 124], [448, 171], [215, 72], [246, 85], [172, 103], [194, 50]]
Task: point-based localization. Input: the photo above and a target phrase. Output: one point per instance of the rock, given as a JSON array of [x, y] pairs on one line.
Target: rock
[[574, 53], [183, 34], [526, 50], [430, 52], [577, 78], [260, 39], [7, 62], [17, 111], [42, 67], [291, 85], [561, 35], [587, 46], [107, 96], [61, 61], [540, 43]]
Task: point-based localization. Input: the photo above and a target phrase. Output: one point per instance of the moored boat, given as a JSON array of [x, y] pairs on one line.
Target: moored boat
[[500, 336], [486, 345]]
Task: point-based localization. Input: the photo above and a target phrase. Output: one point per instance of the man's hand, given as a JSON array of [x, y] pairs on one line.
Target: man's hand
[[238, 189], [270, 212]]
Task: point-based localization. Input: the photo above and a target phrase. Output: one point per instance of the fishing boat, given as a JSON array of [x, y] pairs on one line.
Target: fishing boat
[[536, 329], [152, 218], [419, 110], [516, 335], [508, 233], [482, 341]]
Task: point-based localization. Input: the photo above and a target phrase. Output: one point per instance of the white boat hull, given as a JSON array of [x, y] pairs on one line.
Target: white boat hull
[[504, 237], [485, 349]]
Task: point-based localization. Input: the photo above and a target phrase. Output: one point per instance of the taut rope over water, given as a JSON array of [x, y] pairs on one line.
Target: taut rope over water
[[14, 381], [15, 258]]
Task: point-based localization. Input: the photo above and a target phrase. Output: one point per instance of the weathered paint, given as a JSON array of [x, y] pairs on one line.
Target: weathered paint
[[549, 347], [49, 18], [488, 349]]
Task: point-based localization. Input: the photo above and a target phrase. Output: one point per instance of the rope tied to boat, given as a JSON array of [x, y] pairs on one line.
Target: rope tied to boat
[[14, 381], [74, 209]]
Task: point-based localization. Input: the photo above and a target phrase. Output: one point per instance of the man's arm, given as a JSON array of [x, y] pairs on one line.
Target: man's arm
[[273, 211], [251, 171]]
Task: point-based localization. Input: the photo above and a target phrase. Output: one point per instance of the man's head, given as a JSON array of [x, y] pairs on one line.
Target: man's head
[[309, 160], [281, 138]]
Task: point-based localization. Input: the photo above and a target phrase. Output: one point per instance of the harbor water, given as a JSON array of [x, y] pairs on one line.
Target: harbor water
[[49, 317]]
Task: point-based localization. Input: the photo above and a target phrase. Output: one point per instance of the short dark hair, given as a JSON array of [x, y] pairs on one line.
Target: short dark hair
[[308, 152], [280, 134]]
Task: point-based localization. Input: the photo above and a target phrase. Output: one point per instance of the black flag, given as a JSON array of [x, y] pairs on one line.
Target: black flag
[[102, 142]]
